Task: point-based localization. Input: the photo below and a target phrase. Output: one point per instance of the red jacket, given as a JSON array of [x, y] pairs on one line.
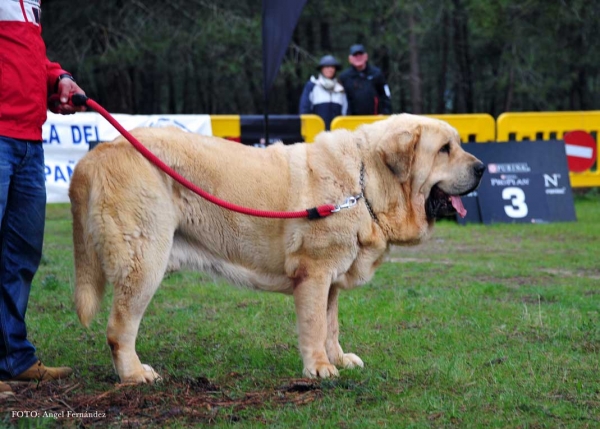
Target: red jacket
[[26, 74]]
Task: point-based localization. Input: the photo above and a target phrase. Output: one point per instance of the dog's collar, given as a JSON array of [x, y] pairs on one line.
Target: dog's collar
[[353, 200], [362, 194]]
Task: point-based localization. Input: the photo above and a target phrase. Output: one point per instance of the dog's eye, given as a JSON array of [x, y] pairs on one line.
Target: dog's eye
[[445, 148]]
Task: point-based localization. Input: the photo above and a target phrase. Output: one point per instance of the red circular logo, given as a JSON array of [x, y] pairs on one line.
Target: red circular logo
[[581, 150]]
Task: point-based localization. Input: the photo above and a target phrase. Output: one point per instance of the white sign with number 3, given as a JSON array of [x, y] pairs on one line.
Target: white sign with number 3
[[516, 196]]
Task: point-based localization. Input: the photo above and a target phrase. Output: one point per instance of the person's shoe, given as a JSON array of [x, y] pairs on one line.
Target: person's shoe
[[41, 372], [5, 390]]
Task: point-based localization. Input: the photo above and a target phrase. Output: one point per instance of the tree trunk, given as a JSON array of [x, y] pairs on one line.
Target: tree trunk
[[415, 71], [511, 82], [172, 96], [461, 47], [510, 90], [310, 37], [443, 69], [256, 91], [325, 37], [187, 88]]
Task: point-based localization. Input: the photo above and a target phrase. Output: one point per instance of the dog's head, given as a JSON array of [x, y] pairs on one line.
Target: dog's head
[[425, 154]]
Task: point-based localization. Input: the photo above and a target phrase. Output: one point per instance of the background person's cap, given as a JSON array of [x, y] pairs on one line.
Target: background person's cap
[[329, 61], [354, 49]]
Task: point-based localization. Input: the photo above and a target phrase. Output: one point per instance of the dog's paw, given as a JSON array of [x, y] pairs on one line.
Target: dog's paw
[[322, 370], [146, 375], [153, 376], [350, 360]]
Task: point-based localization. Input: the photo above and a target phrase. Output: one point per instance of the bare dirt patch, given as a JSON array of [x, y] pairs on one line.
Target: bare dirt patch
[[185, 400], [567, 273]]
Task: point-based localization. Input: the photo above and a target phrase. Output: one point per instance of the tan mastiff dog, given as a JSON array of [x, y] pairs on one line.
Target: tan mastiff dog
[[131, 222]]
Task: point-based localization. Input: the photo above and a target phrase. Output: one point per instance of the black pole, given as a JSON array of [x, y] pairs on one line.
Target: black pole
[[266, 130]]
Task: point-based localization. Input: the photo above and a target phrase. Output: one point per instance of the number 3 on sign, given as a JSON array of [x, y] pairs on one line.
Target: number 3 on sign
[[516, 196]]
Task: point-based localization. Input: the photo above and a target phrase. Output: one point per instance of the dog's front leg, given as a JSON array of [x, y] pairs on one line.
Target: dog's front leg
[[334, 350], [310, 299]]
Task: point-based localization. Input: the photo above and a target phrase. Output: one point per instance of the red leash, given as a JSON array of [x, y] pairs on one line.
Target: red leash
[[313, 213]]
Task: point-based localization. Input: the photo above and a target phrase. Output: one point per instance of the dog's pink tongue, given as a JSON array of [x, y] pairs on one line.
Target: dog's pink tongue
[[458, 206]]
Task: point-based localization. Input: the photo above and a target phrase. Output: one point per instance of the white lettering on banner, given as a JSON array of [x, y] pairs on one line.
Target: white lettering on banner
[[516, 167], [510, 182], [518, 208], [551, 184], [551, 180], [67, 137]]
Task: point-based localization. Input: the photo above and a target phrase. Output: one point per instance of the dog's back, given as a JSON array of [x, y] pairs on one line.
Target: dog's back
[[129, 217]]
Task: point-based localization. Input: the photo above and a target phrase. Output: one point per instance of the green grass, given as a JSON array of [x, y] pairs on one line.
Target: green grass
[[482, 326]]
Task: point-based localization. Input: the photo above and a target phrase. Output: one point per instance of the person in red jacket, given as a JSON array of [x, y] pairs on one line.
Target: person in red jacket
[[28, 78]]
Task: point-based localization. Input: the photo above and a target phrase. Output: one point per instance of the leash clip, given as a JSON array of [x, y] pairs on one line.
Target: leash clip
[[350, 202]]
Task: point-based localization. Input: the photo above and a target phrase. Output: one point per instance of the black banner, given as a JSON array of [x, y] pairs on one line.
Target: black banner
[[279, 18], [525, 182]]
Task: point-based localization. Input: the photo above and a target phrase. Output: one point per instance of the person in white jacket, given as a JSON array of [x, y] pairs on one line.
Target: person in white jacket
[[324, 95]]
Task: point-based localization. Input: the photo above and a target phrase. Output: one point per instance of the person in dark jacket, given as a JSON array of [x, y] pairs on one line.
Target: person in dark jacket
[[323, 95], [365, 85]]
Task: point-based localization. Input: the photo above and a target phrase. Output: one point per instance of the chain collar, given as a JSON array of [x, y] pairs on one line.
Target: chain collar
[[361, 182], [353, 200]]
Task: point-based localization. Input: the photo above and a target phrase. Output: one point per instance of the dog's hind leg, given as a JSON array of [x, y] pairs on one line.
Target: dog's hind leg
[[90, 280], [132, 293]]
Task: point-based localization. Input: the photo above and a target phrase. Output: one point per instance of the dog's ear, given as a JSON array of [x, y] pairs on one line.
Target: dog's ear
[[397, 150]]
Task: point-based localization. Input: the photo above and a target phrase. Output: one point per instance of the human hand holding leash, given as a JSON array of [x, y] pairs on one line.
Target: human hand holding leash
[[60, 101]]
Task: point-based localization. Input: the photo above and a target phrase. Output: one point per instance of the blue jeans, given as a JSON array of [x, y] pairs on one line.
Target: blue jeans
[[22, 214]]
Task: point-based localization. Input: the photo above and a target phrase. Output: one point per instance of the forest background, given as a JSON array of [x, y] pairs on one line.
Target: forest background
[[439, 56]]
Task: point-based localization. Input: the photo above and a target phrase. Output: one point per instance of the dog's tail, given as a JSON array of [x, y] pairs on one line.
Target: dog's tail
[[90, 280]]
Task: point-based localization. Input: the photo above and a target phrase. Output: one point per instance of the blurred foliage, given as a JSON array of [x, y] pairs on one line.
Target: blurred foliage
[[204, 56]]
